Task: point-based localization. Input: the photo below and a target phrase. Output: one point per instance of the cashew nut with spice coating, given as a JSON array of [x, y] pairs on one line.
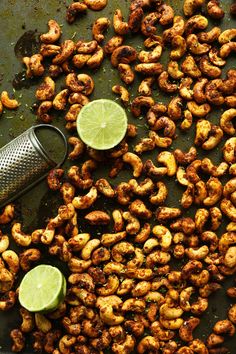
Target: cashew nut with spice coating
[[176, 30], [133, 225], [167, 158], [124, 54], [179, 45], [20, 237], [106, 305], [7, 102], [139, 209], [67, 49], [190, 6], [226, 121], [120, 27], [96, 5], [148, 344], [53, 34], [229, 150], [126, 73], [113, 43], [84, 202], [214, 10], [159, 197], [123, 92], [190, 68], [135, 162]]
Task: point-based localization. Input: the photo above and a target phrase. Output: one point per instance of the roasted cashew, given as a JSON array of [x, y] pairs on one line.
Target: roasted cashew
[[227, 36], [213, 94], [225, 121], [73, 10], [19, 237], [42, 112], [53, 34], [55, 70], [7, 214], [149, 68], [113, 43], [146, 144], [124, 347], [97, 217], [210, 36], [215, 136], [215, 58], [232, 314], [12, 260], [27, 324], [96, 5], [142, 189], [229, 150], [8, 102], [224, 327], [214, 10], [78, 147], [190, 68], [148, 23], [150, 57], [67, 50], [84, 202], [18, 340], [179, 45], [176, 30], [124, 54], [215, 189], [148, 344], [145, 87], [139, 209], [227, 48], [135, 19], [166, 14], [164, 84], [99, 26], [173, 70], [46, 90], [208, 69], [126, 73], [197, 22], [120, 27], [80, 60], [164, 214], [106, 305], [190, 6], [168, 160], [123, 92], [28, 256], [135, 163], [195, 47], [185, 90], [164, 236]]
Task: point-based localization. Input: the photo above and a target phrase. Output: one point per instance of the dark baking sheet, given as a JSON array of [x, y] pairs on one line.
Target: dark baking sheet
[[21, 23]]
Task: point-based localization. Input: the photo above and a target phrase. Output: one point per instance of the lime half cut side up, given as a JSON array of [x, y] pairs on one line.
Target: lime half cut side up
[[102, 124], [42, 289]]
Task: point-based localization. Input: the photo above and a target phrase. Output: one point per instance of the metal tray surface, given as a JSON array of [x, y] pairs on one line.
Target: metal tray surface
[[21, 23]]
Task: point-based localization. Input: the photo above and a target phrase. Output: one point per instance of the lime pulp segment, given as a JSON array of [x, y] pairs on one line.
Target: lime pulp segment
[[42, 289], [102, 124]]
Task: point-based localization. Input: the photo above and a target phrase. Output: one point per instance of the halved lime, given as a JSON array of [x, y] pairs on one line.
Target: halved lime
[[42, 289], [102, 124]]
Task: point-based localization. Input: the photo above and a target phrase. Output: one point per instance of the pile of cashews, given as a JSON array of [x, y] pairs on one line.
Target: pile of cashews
[[123, 292]]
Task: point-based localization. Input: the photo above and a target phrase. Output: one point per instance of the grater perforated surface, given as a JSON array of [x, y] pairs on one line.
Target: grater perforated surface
[[21, 165]]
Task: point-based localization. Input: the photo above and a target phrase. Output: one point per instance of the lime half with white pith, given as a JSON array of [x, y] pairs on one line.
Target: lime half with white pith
[[42, 289], [102, 124]]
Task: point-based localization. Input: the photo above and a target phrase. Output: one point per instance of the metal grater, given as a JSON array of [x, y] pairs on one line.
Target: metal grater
[[24, 162]]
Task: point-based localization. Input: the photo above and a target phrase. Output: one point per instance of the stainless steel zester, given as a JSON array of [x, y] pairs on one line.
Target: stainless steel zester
[[25, 160]]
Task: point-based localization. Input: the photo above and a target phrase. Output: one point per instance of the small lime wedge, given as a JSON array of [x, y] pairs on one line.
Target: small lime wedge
[[42, 289], [102, 124]]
